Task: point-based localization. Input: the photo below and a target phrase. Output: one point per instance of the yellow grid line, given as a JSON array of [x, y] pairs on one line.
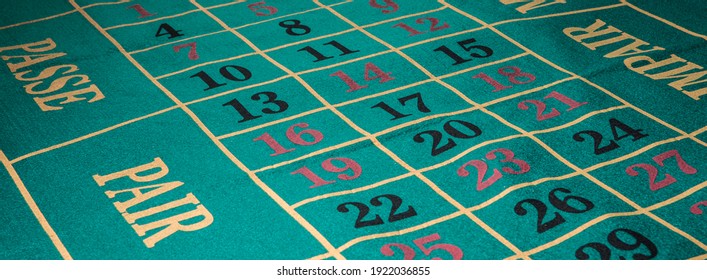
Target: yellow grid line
[[560, 14], [37, 20], [431, 184], [281, 201], [569, 164], [305, 41], [665, 21], [254, 86], [296, 216], [587, 81], [35, 209]]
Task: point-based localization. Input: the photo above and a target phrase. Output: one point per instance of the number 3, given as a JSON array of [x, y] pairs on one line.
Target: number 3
[[409, 253]]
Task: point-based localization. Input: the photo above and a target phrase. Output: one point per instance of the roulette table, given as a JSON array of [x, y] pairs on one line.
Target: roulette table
[[350, 129]]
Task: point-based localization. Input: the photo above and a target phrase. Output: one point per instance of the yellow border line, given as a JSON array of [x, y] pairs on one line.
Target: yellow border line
[[670, 23], [35, 209]]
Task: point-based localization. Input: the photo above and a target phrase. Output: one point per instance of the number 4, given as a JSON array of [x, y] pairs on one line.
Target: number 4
[[409, 253]]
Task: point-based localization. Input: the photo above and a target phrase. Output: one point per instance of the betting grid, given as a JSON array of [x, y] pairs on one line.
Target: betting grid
[[393, 95]]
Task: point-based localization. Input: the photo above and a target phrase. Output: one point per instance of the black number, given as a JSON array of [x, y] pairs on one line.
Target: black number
[[319, 56], [271, 99], [226, 73], [542, 210], [616, 242], [363, 211], [597, 137], [604, 252], [166, 29], [396, 201], [292, 24], [452, 131], [559, 204], [403, 100], [467, 46]]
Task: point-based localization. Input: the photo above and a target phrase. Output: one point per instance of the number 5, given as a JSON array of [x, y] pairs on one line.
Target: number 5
[[409, 253]]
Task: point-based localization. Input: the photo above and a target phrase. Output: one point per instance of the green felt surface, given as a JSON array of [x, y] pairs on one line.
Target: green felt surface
[[337, 129]]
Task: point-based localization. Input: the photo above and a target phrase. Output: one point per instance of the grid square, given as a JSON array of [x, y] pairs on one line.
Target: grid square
[[338, 225], [655, 234], [495, 168], [530, 217], [555, 106], [255, 106], [593, 139], [434, 141], [460, 232], [463, 51], [657, 174], [297, 181], [402, 107], [419, 28], [386, 72], [289, 140]]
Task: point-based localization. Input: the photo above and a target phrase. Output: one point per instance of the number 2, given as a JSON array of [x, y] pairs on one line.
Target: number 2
[[363, 209]]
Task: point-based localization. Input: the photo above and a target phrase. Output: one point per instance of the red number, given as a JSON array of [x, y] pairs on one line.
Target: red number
[[388, 4], [369, 67], [329, 165], [295, 137], [482, 167], [192, 50], [257, 6], [540, 109], [433, 27], [140, 10], [513, 76], [273, 144], [540, 105], [695, 209], [653, 171], [409, 253]]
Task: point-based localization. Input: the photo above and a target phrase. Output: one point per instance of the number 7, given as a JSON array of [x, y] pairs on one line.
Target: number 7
[[192, 50]]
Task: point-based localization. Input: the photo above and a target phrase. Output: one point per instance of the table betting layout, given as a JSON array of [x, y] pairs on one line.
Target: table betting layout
[[353, 129]]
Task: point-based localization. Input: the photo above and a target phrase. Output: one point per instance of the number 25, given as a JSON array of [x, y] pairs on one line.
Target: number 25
[[409, 253]]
